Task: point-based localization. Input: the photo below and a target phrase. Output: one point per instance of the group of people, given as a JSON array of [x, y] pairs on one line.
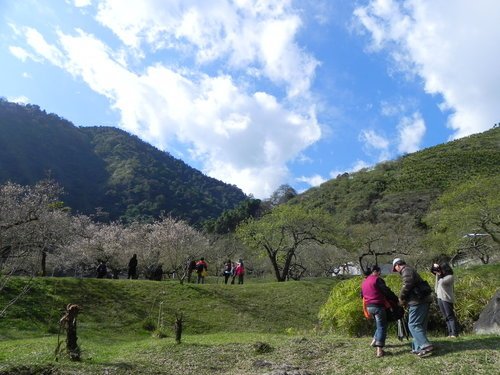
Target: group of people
[[200, 267], [234, 270], [231, 269], [415, 295]]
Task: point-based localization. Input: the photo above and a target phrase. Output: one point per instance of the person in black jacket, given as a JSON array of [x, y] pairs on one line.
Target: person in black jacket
[[132, 267], [416, 294]]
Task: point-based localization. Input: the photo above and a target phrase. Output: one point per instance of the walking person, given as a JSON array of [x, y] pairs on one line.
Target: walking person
[[132, 267], [416, 294], [376, 295], [240, 271], [201, 270], [191, 266], [445, 292]]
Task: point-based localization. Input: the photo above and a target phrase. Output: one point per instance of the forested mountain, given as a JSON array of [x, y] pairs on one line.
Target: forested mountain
[[107, 168]]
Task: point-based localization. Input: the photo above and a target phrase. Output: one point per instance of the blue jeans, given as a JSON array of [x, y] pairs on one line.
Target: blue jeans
[[380, 316], [417, 324]]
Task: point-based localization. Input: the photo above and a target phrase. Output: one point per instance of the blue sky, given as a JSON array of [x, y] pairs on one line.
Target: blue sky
[[259, 93]]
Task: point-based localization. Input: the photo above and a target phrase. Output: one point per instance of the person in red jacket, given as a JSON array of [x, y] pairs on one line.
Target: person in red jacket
[[201, 270], [376, 294], [240, 271]]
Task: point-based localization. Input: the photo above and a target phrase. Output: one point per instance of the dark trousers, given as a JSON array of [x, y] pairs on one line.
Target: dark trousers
[[448, 313]]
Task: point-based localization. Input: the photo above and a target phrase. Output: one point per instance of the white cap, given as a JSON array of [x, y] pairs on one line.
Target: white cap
[[396, 261]]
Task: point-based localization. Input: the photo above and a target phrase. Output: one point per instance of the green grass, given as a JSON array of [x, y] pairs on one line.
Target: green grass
[[226, 327]]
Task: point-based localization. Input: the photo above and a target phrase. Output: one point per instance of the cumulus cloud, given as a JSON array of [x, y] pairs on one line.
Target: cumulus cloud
[[257, 37], [314, 180], [375, 142], [411, 131], [356, 166], [454, 49], [19, 99], [241, 136]]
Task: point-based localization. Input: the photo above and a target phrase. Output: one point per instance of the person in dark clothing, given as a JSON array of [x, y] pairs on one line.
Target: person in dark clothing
[[102, 270], [228, 270], [190, 268], [414, 295], [376, 295], [157, 273], [132, 267]]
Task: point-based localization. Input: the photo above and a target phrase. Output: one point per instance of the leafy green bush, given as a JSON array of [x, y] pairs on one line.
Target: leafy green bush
[[343, 313]]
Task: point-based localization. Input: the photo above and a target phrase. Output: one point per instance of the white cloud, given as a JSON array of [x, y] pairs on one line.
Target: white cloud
[[411, 131], [376, 142], [240, 137], [254, 36], [314, 180], [240, 133], [454, 49], [358, 165], [20, 53], [82, 3], [19, 99]]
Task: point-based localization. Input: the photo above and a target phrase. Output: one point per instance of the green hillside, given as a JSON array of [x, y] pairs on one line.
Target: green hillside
[[410, 184], [110, 305], [107, 168]]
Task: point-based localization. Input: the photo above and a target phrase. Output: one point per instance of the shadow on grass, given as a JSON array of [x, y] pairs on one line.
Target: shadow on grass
[[444, 347]]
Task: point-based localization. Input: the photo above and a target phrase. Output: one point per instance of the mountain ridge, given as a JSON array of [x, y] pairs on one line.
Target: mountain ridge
[[106, 168]]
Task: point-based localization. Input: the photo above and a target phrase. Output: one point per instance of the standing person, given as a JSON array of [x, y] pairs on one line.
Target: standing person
[[416, 294], [190, 268], [132, 267], [376, 295], [102, 270], [228, 270], [240, 271], [201, 270], [445, 292]]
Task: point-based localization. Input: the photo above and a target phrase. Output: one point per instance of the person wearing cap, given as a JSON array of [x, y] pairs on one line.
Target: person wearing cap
[[375, 292], [418, 306]]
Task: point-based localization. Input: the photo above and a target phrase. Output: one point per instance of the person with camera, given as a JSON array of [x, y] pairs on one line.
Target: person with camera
[[445, 292], [416, 295]]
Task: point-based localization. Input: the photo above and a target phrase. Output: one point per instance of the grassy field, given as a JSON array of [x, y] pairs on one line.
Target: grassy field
[[257, 328]]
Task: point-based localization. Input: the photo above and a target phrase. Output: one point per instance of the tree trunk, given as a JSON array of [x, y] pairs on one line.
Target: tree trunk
[[44, 263]]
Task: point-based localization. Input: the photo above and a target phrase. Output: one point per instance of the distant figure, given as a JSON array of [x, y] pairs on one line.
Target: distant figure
[[190, 268], [446, 295], [201, 270], [102, 270], [228, 270], [132, 267], [240, 271], [158, 273]]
